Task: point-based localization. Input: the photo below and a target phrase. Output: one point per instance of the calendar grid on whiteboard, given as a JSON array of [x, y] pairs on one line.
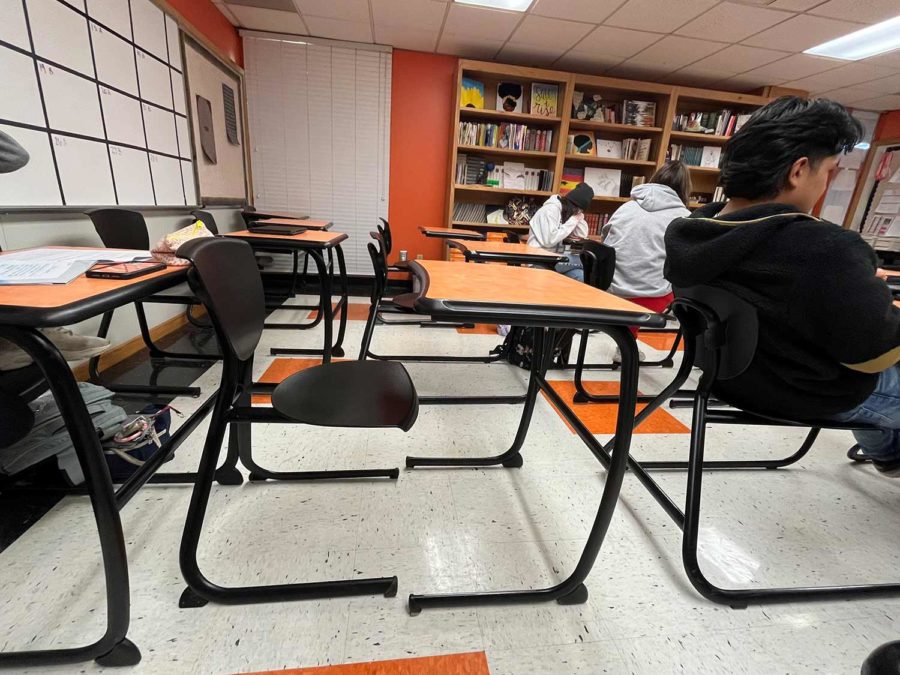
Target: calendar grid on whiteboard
[[96, 36]]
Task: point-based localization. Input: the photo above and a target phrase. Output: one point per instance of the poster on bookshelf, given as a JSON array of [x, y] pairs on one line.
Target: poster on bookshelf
[[604, 182], [583, 143], [544, 99], [472, 94], [509, 97]]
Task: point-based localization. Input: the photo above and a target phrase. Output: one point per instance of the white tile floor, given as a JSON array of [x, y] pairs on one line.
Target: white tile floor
[[822, 522]]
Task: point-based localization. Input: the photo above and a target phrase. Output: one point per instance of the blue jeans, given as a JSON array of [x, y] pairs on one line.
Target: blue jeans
[[569, 268], [881, 409]]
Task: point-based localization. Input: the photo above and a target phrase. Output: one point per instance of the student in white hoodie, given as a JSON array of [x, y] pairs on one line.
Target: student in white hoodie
[[637, 230], [562, 216]]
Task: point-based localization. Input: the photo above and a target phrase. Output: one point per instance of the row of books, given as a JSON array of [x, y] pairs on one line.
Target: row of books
[[470, 212], [722, 123], [469, 169], [695, 155], [593, 107], [505, 135], [717, 195], [596, 222], [584, 143]]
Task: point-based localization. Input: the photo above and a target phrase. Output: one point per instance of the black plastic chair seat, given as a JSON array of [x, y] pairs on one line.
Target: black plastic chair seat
[[358, 394], [718, 416]]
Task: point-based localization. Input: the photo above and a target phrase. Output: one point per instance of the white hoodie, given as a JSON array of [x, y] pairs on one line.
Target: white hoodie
[[636, 231], [547, 230]]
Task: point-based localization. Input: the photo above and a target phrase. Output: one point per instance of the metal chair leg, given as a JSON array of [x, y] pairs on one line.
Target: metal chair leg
[[158, 353]]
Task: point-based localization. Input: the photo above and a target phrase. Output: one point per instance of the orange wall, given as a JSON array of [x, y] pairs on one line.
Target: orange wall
[[208, 20], [422, 87], [888, 125]]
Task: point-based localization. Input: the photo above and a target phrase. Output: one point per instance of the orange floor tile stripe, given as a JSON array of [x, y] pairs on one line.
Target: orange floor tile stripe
[[480, 329], [600, 418], [660, 341], [281, 369], [355, 312], [474, 663]]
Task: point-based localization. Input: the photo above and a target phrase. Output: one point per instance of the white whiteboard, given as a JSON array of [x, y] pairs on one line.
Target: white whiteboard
[[99, 104]]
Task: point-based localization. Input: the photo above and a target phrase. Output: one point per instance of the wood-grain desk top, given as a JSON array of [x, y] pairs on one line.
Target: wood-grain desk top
[[296, 222], [528, 291], [42, 304], [308, 239], [500, 248]]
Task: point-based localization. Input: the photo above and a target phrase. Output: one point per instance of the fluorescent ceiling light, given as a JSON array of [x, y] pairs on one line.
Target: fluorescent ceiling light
[[878, 39], [514, 5]]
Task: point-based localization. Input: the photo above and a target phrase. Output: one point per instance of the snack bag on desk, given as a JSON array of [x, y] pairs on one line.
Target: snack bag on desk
[[165, 248]]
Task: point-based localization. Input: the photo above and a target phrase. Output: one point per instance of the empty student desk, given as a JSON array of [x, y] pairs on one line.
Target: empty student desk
[[319, 244], [501, 252], [296, 222], [250, 216], [546, 301], [24, 309], [451, 233]]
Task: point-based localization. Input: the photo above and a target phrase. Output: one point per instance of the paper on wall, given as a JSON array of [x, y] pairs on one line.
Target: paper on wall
[[834, 213], [888, 207], [845, 180]]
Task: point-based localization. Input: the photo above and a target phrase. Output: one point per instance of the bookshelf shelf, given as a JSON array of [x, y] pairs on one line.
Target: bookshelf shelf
[[501, 191], [690, 136], [503, 116], [670, 100], [592, 125], [610, 161], [505, 151]]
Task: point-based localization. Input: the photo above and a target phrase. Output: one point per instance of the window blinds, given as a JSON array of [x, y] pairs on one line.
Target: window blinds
[[319, 118]]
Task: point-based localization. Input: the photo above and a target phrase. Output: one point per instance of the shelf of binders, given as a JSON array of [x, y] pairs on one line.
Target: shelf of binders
[[484, 113], [694, 136], [498, 190], [610, 161], [592, 125], [506, 152]]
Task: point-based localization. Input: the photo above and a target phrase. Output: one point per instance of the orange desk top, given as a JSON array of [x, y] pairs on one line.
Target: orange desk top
[[531, 290], [499, 247], [309, 239], [60, 304], [296, 222]]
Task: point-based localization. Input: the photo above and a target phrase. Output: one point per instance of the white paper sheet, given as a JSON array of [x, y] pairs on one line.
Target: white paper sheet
[[70, 255], [888, 207], [57, 265]]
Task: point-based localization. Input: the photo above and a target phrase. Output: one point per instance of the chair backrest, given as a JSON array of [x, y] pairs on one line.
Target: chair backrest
[[599, 263], [377, 253], [511, 237], [385, 231], [121, 228], [724, 329], [207, 219], [226, 279]]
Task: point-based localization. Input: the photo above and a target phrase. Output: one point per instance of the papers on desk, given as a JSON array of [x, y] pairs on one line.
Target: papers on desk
[[57, 265]]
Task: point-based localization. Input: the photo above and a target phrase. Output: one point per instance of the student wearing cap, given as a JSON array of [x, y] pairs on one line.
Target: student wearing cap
[[560, 217]]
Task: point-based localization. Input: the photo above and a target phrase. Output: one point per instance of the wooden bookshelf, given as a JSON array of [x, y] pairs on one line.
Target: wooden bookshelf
[[670, 100]]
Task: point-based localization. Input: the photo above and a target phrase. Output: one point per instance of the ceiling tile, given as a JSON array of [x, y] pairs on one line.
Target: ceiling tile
[[796, 5], [468, 46], [345, 10], [403, 38], [847, 95], [739, 59], [222, 7], [416, 14], [744, 82], [610, 41], [335, 29], [696, 77], [674, 52], [660, 17], [793, 67], [886, 85], [851, 75], [268, 19], [594, 11], [867, 11], [890, 102], [544, 33], [528, 56], [801, 32], [634, 71], [471, 23], [731, 22], [584, 62], [891, 59]]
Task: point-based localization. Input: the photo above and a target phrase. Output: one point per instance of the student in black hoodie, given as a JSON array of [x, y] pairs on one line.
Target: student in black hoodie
[[829, 335]]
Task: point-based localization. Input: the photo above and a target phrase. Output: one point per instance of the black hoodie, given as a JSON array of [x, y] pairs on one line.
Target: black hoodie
[[827, 324]]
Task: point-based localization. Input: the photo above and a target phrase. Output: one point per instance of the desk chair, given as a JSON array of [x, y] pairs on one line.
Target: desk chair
[[599, 262], [720, 338], [207, 219], [123, 228], [345, 394]]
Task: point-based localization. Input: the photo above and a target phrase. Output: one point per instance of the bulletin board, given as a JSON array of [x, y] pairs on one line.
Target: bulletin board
[[99, 112], [216, 101]]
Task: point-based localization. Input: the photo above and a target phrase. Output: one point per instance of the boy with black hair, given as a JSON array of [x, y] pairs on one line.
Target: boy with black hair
[[829, 335]]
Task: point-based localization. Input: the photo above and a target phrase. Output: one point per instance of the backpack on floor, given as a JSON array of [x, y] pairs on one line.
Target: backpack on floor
[[518, 348]]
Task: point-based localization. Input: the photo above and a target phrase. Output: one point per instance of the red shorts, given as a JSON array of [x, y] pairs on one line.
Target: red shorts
[[657, 304]]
